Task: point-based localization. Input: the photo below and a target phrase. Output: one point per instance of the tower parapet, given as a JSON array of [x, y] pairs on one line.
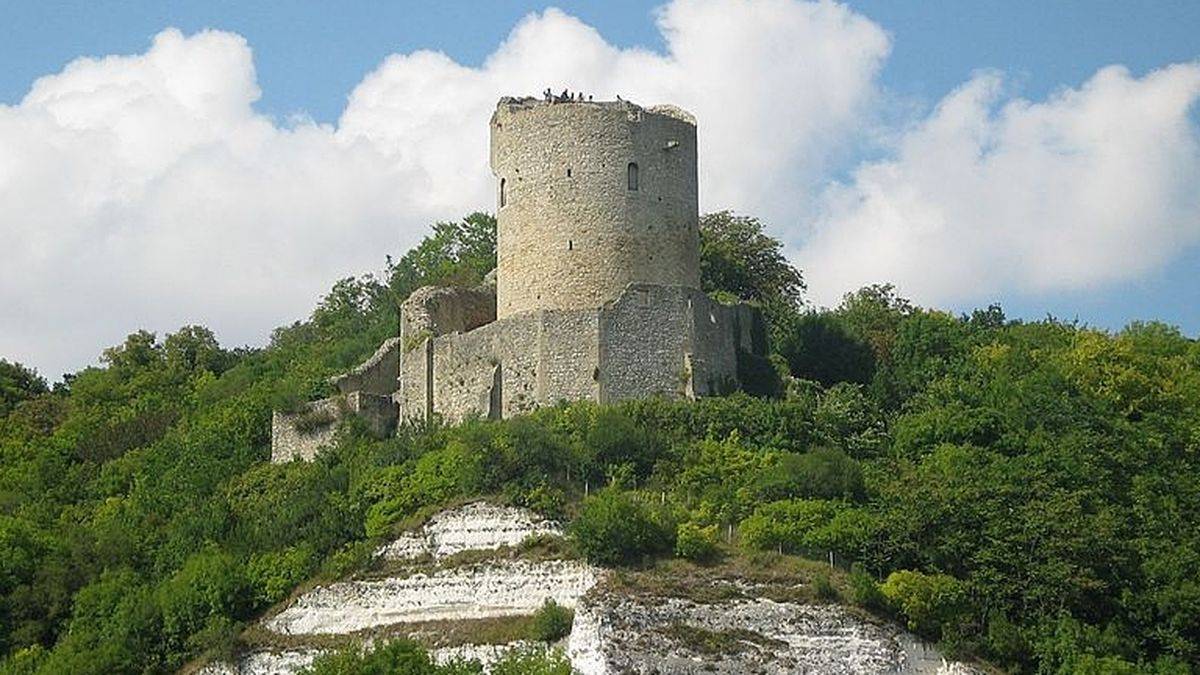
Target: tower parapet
[[592, 197]]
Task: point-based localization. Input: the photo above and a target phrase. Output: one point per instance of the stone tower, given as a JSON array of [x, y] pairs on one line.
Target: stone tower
[[597, 289], [592, 197]]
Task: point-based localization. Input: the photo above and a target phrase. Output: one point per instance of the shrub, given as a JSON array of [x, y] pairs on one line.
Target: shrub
[[210, 587], [863, 589], [273, 574], [396, 656], [929, 602], [532, 662], [551, 623], [792, 525], [696, 543], [824, 473], [613, 527]]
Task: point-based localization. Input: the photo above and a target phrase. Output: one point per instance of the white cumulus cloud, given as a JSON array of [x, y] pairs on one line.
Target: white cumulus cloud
[[991, 193], [147, 191]]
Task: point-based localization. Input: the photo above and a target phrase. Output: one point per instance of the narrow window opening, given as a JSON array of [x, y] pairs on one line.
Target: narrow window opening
[[633, 176], [568, 172], [570, 245], [502, 200]]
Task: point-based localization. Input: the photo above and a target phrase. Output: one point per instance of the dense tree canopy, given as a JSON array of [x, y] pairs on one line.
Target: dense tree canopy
[[1025, 492]]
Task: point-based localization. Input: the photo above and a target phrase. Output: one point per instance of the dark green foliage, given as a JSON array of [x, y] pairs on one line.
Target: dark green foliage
[[389, 658], [17, 384], [824, 473], [819, 347], [738, 259], [457, 253], [613, 526], [863, 589], [551, 623], [757, 375]]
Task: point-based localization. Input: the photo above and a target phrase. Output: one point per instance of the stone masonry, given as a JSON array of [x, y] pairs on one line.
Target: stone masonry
[[596, 294]]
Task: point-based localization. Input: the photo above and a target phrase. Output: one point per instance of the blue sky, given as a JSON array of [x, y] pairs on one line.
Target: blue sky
[[308, 58], [309, 55]]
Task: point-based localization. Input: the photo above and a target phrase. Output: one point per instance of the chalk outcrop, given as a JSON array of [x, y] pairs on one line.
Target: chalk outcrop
[[427, 585], [666, 636], [475, 527]]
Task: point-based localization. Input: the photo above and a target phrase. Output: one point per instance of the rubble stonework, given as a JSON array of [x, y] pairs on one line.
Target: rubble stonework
[[596, 295]]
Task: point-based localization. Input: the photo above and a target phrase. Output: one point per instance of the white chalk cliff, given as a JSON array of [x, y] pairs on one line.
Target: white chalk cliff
[[616, 629]]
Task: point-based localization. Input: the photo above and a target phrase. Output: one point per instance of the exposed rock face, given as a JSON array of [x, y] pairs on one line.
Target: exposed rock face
[[670, 625], [473, 592], [475, 527], [265, 662], [675, 635], [486, 655]]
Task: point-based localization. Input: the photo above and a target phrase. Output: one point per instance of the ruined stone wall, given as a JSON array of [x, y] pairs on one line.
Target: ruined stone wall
[[673, 342], [438, 310], [304, 433], [377, 375], [301, 434], [571, 233], [502, 369]]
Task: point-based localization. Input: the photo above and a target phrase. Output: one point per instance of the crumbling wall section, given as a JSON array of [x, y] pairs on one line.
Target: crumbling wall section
[[644, 337], [439, 310], [305, 433], [377, 375]]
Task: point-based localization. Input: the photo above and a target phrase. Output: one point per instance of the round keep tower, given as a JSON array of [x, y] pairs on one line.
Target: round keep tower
[[590, 198]]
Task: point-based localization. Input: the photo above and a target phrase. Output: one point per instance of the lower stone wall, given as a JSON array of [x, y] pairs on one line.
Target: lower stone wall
[[304, 433], [653, 341], [672, 342], [301, 434]]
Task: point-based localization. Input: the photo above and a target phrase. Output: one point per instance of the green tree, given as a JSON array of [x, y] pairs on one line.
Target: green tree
[[819, 347], [457, 253], [17, 384], [739, 260]]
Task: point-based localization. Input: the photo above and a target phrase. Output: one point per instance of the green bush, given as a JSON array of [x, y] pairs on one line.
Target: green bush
[[532, 662], [790, 525], [275, 573], [864, 592], [824, 473], [398, 657], [930, 603], [613, 527], [696, 543], [551, 623]]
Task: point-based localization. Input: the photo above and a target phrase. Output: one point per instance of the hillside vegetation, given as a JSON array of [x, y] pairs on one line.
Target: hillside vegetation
[[1024, 492]]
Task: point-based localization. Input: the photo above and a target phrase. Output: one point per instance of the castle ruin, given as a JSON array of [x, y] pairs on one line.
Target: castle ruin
[[596, 294]]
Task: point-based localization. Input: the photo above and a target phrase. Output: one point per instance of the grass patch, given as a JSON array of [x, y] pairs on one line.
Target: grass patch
[[714, 643], [739, 574]]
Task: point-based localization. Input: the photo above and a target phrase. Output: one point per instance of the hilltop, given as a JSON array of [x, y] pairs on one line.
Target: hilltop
[[1023, 493]]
